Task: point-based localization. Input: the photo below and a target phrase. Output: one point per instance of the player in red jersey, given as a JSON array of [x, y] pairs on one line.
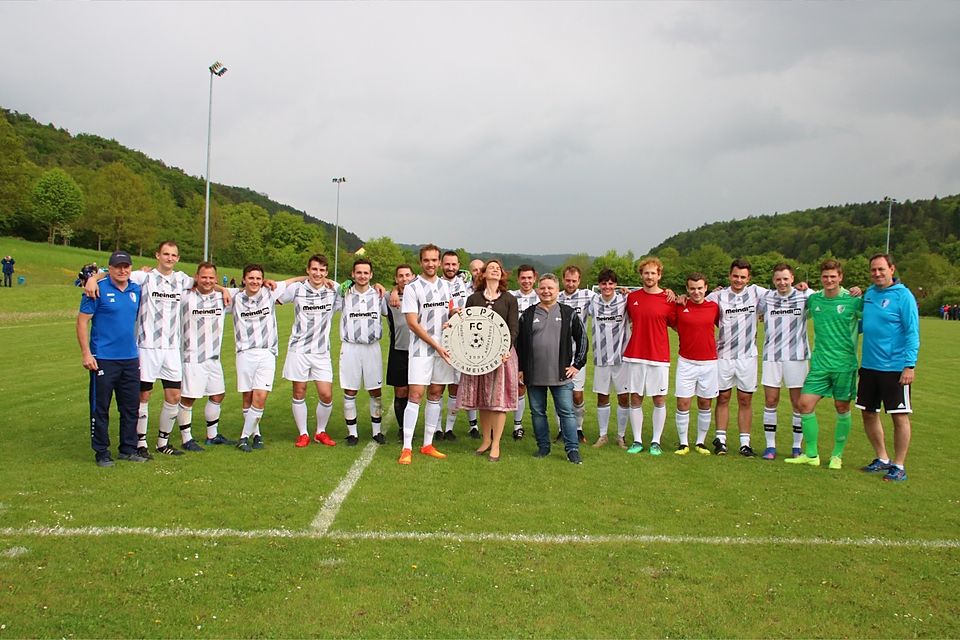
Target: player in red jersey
[[695, 324], [651, 310]]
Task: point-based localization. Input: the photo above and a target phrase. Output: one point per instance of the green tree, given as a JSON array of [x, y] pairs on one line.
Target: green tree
[[117, 202], [585, 263], [248, 224], [622, 265], [57, 201], [385, 255], [16, 176]]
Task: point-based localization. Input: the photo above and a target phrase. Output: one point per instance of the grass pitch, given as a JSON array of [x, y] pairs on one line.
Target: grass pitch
[[226, 544]]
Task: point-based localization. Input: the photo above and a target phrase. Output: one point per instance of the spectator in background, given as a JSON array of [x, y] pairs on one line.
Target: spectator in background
[[8, 263]]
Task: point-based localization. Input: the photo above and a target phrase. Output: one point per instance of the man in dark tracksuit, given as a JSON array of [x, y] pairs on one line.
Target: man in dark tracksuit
[[110, 355], [551, 349]]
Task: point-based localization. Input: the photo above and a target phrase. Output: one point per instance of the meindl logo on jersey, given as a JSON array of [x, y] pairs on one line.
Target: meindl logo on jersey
[[165, 296], [786, 312], [207, 312], [364, 314], [609, 318], [327, 306], [256, 313], [735, 310], [431, 305]]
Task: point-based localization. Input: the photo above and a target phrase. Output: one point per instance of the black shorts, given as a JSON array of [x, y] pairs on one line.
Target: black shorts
[[397, 368], [876, 387]]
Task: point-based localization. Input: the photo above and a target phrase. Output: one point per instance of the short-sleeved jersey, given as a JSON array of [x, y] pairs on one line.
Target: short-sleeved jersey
[[609, 329], [399, 331], [525, 301], [313, 311], [696, 327], [784, 325], [650, 314], [431, 302], [254, 320], [460, 290], [158, 324], [113, 333], [836, 327], [360, 319], [737, 337], [201, 325], [580, 300]]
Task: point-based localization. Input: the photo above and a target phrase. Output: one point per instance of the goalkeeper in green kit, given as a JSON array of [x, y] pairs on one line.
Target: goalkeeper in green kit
[[833, 367]]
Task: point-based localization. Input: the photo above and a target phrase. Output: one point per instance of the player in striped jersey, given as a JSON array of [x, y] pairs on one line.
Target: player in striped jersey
[[427, 303], [836, 318], [650, 310], [737, 353], [580, 299], [697, 362], [158, 341], [202, 311], [360, 356], [461, 286], [786, 353], [397, 355], [526, 297], [308, 352], [608, 311], [256, 341]]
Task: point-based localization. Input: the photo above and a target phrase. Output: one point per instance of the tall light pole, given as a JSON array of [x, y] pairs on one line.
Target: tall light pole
[[336, 243], [889, 202], [216, 69]]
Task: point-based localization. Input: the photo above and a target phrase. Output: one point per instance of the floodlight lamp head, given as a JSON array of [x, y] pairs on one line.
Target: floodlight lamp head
[[218, 69]]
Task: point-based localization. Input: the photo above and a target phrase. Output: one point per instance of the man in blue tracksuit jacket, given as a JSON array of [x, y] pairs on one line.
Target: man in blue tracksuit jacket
[[891, 340]]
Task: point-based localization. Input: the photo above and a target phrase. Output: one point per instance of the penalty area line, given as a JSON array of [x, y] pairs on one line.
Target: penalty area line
[[449, 536], [331, 506]]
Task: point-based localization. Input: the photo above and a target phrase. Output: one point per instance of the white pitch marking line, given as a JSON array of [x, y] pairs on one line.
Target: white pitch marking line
[[522, 538], [331, 506]]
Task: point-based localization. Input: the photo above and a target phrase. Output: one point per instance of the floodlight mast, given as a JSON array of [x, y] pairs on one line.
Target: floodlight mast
[[889, 202], [216, 69], [336, 243]]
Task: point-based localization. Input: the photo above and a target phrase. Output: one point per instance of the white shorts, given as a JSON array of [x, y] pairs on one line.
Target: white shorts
[[648, 379], [160, 364], [361, 362], [616, 376], [740, 373], [697, 378], [201, 379], [304, 367], [580, 380], [424, 370], [790, 374], [255, 370]]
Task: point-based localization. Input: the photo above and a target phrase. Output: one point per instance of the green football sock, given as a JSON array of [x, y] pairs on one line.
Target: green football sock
[[843, 430], [811, 429]]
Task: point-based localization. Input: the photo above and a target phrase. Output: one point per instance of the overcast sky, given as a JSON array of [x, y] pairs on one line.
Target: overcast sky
[[539, 127]]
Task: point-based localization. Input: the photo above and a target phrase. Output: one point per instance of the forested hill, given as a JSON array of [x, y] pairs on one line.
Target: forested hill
[[919, 226], [166, 202]]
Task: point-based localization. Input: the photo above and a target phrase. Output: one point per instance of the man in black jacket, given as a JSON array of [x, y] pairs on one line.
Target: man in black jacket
[[551, 348]]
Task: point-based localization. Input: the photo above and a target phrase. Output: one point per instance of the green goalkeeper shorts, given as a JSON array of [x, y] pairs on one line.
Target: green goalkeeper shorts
[[839, 385]]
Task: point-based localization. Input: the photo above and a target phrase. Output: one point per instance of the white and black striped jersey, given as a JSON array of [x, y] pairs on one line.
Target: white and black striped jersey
[[785, 325], [609, 329], [737, 337], [524, 302], [431, 302], [201, 325], [158, 320], [313, 311], [580, 300], [254, 320], [460, 290], [360, 321]]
